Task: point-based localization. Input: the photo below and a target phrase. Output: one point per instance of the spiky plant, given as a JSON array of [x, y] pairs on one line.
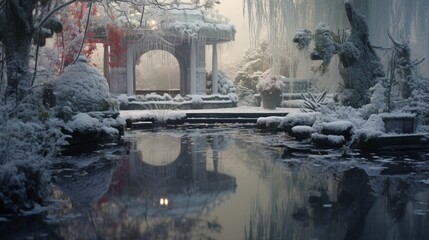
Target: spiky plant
[[313, 103]]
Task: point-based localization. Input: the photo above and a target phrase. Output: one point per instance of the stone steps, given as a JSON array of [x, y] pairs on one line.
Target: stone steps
[[204, 118]]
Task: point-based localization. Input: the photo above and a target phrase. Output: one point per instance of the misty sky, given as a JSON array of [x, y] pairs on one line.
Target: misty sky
[[233, 9]]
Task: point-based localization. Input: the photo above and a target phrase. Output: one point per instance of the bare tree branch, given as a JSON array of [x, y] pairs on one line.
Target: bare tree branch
[[48, 16], [86, 31]]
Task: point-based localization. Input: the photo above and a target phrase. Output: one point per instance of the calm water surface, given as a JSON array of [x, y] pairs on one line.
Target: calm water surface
[[230, 184]]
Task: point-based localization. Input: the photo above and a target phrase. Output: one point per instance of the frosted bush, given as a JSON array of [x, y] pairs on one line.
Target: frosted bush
[[225, 84], [302, 38], [270, 83], [233, 97], [252, 66], [197, 100], [155, 97], [83, 86], [29, 137], [83, 122], [178, 98], [246, 96], [125, 99], [372, 128], [418, 102]]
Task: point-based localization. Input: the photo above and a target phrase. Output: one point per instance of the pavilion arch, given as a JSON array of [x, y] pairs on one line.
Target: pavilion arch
[[184, 32], [157, 71], [178, 50]]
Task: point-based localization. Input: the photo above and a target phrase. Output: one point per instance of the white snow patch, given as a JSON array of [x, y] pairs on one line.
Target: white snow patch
[[303, 129], [420, 212], [397, 115], [426, 181], [269, 120], [373, 127], [300, 118], [83, 121], [270, 83], [341, 125], [110, 130], [333, 139]]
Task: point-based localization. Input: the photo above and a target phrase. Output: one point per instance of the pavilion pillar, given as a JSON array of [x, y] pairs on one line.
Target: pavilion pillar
[[118, 73], [130, 70], [214, 70], [193, 67], [106, 70]]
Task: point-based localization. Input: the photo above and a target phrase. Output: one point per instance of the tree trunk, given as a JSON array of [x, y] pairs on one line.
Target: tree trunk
[[17, 33]]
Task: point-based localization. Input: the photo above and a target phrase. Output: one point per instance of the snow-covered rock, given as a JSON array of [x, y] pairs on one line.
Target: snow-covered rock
[[343, 128], [328, 140], [269, 123], [294, 119], [302, 132]]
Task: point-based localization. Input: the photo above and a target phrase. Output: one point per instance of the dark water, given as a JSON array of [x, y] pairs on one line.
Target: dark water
[[230, 184]]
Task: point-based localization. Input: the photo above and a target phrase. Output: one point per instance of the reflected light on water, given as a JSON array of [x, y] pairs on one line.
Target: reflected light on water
[[163, 201]]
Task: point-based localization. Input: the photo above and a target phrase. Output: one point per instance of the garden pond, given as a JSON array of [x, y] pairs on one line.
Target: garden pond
[[229, 183]]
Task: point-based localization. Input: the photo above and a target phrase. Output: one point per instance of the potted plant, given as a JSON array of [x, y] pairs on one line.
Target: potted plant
[[270, 88]]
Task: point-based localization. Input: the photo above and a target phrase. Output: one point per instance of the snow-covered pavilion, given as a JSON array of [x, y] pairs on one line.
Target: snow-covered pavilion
[[182, 31]]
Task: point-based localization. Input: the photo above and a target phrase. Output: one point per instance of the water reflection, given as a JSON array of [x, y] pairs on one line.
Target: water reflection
[[329, 197], [163, 191], [211, 184]]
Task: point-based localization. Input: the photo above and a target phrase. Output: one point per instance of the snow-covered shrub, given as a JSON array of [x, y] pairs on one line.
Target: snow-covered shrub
[[302, 38], [257, 63], [246, 96], [29, 137], [270, 84], [359, 65], [197, 101], [125, 99], [271, 89], [83, 124], [325, 46], [312, 103], [332, 112], [156, 97], [418, 102], [303, 119], [402, 89], [178, 98], [328, 140], [83, 87], [225, 84], [233, 97], [373, 127], [377, 102]]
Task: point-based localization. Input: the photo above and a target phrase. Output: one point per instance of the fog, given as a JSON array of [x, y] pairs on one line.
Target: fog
[[406, 20]]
